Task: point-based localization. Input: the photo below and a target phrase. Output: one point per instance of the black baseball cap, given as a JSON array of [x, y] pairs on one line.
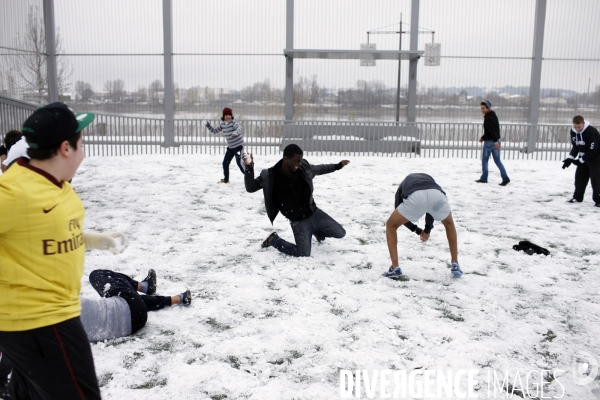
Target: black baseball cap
[[52, 124]]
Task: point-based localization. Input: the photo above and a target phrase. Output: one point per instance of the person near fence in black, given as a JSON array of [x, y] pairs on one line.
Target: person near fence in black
[[235, 141], [10, 139], [419, 195], [491, 143], [288, 187], [585, 141]]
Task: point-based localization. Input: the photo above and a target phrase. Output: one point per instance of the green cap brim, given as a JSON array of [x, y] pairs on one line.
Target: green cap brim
[[83, 120]]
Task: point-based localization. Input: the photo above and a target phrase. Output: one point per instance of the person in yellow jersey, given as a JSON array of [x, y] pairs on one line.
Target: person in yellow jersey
[[42, 250]]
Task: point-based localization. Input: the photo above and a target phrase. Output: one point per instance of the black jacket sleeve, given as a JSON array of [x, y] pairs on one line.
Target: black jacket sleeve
[[428, 223], [574, 150], [324, 168], [252, 185]]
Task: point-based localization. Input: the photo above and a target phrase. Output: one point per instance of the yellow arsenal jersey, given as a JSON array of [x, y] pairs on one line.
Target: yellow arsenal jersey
[[41, 249]]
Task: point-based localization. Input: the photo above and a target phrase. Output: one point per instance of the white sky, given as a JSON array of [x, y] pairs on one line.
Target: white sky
[[469, 28], [294, 323]]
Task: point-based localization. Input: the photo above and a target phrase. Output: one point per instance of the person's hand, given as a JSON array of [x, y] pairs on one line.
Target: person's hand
[[576, 162], [480, 140], [498, 145], [204, 122], [418, 231], [424, 236], [567, 162], [344, 163], [115, 242], [234, 135], [248, 158]]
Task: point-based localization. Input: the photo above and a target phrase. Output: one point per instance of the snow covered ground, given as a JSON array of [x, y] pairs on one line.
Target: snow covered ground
[[266, 326]]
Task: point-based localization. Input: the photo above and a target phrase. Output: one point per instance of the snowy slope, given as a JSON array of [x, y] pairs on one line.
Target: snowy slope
[[266, 326]]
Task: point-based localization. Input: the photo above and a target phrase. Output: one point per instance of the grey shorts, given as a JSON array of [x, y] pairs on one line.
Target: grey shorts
[[419, 203]]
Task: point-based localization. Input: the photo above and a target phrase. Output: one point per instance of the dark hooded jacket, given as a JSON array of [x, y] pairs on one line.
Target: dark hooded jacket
[[266, 181], [585, 144]]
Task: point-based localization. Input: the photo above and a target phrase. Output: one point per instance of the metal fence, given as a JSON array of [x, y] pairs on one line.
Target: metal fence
[[174, 58], [114, 135]]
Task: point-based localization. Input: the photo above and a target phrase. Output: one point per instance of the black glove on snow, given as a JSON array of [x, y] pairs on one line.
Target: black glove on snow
[[567, 162]]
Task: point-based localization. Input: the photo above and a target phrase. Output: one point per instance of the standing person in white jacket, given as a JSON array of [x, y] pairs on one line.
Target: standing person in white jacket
[[235, 141]]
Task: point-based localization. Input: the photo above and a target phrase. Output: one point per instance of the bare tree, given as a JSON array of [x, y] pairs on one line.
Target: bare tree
[[29, 69], [83, 91], [115, 89]]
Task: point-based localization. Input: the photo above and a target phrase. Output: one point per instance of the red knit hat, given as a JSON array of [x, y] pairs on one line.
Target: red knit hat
[[227, 110]]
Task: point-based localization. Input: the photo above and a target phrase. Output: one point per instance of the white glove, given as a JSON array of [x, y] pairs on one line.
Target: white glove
[[106, 241], [204, 122]]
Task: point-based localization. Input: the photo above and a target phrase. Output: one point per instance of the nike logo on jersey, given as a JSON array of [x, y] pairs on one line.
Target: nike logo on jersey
[[46, 211]]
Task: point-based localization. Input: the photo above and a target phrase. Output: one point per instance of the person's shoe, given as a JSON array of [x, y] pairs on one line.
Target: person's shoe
[[393, 273], [224, 181], [187, 298], [319, 238], [268, 240], [573, 201], [505, 182], [597, 205], [480, 181], [4, 391], [456, 271], [151, 279]]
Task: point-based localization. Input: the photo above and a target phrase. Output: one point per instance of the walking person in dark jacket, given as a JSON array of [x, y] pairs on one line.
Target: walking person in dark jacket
[[584, 153], [491, 143], [419, 195], [288, 187], [235, 141]]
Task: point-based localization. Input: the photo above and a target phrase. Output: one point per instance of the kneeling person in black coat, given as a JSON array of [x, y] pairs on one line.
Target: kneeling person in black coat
[[288, 187]]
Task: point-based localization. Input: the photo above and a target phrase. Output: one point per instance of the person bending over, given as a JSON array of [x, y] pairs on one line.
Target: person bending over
[[419, 195]]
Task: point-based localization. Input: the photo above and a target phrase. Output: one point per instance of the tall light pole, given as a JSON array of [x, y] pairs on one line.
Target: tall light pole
[[400, 32]]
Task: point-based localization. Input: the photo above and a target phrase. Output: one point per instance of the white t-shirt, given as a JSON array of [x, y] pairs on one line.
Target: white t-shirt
[[17, 150]]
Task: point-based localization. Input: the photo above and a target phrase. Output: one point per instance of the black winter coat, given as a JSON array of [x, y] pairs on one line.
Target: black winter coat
[[266, 180]]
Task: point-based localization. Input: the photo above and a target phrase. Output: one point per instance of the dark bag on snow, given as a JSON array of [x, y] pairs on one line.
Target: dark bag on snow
[[530, 248]]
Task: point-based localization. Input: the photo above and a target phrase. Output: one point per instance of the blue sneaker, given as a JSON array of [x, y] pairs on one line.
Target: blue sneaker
[[456, 271], [393, 273]]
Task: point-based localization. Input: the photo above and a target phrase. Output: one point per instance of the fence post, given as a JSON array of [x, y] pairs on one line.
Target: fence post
[[50, 38], [169, 96], [289, 62], [536, 74], [412, 66]]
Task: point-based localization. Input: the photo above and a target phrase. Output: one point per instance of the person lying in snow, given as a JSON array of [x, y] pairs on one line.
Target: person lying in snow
[[121, 311]]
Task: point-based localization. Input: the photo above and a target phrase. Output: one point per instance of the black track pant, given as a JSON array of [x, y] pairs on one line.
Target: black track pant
[[109, 283], [53, 362], [589, 171]]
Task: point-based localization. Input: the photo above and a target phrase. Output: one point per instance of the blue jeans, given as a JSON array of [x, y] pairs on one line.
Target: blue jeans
[[229, 154], [319, 224], [489, 148]]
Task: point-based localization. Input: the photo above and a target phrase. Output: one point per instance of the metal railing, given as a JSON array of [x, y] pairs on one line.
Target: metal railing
[[112, 135]]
